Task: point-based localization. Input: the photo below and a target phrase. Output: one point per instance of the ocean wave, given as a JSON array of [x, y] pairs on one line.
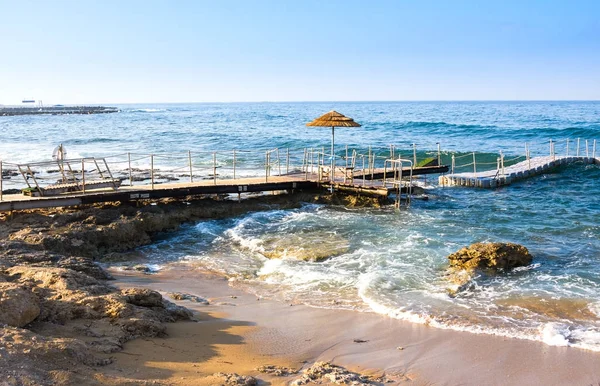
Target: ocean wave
[[146, 110]]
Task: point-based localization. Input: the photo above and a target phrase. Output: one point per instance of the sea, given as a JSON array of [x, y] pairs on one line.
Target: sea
[[382, 260]]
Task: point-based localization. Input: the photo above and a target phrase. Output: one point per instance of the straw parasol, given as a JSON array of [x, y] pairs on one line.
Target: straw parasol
[[333, 119]]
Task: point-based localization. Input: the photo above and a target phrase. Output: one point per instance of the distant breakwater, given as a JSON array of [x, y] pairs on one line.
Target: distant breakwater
[[56, 110]]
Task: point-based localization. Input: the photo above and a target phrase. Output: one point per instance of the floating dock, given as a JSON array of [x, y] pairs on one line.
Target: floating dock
[[505, 176]]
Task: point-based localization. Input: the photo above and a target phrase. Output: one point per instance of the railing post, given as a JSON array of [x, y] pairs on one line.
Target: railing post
[[214, 167], [369, 160], [191, 167], [130, 172], [497, 165], [551, 152], [346, 158], [267, 166], [287, 161], [593, 151], [474, 164], [278, 163], [83, 175], [234, 161], [415, 154], [587, 150], [453, 163], [152, 170], [567, 147], [578, 140], [1, 178], [439, 154], [502, 161], [363, 169]]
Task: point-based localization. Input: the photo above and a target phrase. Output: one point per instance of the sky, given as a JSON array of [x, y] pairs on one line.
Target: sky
[[114, 51]]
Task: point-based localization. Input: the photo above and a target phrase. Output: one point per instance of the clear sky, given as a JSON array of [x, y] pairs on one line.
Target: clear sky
[[128, 51]]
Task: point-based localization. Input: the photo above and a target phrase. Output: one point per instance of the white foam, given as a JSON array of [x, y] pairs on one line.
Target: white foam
[[554, 334]]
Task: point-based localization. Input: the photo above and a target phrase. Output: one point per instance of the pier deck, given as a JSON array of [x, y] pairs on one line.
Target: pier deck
[[300, 181], [520, 171]]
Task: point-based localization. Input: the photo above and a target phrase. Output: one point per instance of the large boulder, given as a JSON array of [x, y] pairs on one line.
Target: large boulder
[[490, 256], [18, 306]]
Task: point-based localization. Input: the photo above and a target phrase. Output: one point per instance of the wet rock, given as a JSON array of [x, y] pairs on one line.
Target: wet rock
[[18, 306], [490, 256], [327, 373], [307, 246], [230, 379], [192, 298]]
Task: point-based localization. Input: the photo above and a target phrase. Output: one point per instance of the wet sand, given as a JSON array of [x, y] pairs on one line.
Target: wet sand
[[237, 332]]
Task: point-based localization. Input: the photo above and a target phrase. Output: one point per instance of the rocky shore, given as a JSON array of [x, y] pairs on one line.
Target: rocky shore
[[60, 317]]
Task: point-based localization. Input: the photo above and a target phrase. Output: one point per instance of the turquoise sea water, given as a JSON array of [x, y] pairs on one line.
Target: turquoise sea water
[[391, 262]]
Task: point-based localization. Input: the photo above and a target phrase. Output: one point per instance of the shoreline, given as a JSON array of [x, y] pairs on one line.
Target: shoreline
[[406, 353]]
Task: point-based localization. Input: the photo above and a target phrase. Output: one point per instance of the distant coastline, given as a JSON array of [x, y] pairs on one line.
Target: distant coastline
[[56, 110]]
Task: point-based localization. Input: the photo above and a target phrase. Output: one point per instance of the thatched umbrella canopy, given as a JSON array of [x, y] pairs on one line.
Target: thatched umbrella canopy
[[333, 119]]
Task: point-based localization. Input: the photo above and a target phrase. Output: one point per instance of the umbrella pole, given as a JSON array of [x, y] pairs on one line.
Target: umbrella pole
[[332, 157]]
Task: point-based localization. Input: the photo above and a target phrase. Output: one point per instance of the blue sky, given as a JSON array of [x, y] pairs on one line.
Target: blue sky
[[218, 50]]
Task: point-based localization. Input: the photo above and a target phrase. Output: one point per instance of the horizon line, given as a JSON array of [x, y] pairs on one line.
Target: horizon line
[[326, 101]]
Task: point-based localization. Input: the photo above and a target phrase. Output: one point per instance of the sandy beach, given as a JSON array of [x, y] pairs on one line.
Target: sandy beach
[[238, 332]]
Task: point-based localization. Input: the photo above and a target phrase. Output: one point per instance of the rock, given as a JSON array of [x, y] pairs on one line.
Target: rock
[[18, 307], [277, 371], [327, 373], [137, 327], [57, 279], [490, 256], [176, 312], [143, 297], [84, 265], [235, 379], [193, 298], [307, 246]]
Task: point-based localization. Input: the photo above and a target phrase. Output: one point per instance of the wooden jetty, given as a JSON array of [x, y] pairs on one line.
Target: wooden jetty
[[502, 176], [90, 180]]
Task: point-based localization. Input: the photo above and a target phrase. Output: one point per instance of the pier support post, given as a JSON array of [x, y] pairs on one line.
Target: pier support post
[[190, 165], [130, 172], [152, 170]]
